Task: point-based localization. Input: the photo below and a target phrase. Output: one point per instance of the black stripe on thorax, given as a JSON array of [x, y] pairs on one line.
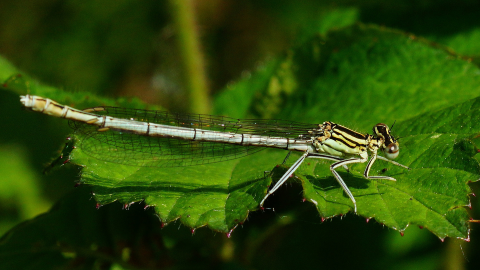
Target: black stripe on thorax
[[348, 137], [350, 143], [340, 129]]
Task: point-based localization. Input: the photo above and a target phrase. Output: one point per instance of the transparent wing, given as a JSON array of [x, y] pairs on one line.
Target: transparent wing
[[132, 149]]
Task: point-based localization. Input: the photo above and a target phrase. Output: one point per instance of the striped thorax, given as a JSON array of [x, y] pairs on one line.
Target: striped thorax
[[340, 141]]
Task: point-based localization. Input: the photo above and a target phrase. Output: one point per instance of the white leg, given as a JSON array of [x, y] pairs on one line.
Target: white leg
[[341, 162], [370, 163], [340, 180], [284, 178], [393, 162]]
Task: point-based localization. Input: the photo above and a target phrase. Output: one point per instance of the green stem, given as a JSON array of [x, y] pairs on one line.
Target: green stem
[[192, 58]]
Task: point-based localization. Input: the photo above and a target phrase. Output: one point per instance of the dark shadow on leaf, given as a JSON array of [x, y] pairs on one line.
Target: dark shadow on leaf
[[330, 182], [133, 187]]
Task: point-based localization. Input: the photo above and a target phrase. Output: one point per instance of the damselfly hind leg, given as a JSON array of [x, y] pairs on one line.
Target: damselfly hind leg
[[285, 176]]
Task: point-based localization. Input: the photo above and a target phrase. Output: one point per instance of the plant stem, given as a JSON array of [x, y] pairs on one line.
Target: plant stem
[[192, 57]]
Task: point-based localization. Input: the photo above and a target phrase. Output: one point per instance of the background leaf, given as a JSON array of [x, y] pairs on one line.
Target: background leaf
[[87, 238], [221, 195], [122, 49]]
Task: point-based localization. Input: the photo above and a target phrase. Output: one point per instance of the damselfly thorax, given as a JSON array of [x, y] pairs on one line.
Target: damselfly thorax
[[156, 138]]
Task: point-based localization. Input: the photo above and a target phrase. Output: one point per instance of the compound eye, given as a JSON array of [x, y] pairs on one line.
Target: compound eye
[[392, 150]]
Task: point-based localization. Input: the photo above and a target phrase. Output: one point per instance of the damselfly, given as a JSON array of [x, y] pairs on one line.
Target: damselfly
[[156, 138]]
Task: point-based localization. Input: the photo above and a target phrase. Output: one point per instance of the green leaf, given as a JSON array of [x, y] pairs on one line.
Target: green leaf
[[22, 84], [362, 75], [357, 76], [217, 195], [440, 151], [75, 235]]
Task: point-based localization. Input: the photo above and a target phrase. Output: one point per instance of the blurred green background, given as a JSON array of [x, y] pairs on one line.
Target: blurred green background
[[179, 55]]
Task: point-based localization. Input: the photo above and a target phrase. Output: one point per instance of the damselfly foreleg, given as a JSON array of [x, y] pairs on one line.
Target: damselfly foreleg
[[370, 163]]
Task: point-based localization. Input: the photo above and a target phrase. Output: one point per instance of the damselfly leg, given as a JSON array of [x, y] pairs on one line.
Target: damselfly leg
[[339, 162]]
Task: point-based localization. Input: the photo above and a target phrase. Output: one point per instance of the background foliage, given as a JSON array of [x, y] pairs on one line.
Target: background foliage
[[424, 52]]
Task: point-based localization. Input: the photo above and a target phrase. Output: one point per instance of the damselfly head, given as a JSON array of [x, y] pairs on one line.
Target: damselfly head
[[390, 145]]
